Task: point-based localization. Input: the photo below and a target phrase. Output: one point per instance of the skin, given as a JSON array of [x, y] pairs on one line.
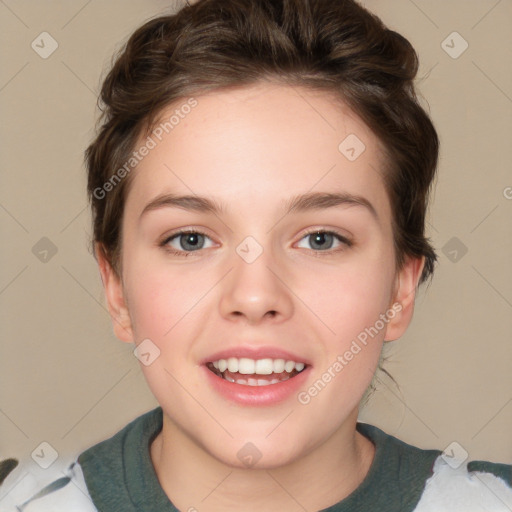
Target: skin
[[252, 149]]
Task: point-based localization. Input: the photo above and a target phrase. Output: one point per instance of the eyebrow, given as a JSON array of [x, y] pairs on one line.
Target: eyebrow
[[301, 203], [323, 200]]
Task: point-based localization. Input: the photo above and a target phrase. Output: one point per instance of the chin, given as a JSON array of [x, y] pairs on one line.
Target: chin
[[260, 453]]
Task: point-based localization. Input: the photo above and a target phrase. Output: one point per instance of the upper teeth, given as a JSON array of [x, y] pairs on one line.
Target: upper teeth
[[248, 366]]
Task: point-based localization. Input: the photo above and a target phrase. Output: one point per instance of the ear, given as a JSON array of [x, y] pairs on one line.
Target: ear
[[114, 294], [403, 298]]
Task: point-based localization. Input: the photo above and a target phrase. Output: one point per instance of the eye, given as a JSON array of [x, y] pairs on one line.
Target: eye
[[321, 240], [185, 242]]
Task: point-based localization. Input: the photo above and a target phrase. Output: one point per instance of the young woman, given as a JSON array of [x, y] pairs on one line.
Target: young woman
[[259, 186]]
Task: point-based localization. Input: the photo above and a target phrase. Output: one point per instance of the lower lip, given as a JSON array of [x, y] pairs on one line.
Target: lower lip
[[256, 395]]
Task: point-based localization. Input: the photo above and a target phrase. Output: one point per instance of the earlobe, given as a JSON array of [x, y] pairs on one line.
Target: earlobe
[[113, 286], [403, 298]]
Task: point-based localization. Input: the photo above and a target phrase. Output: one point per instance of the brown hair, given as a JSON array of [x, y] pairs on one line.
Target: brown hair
[[333, 46]]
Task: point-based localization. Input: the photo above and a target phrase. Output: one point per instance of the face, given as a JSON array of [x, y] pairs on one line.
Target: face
[[258, 261]]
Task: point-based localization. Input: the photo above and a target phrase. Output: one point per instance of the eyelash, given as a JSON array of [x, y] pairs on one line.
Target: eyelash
[[344, 240], [168, 249]]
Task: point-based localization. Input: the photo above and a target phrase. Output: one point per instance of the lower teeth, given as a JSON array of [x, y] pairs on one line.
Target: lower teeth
[[253, 380]]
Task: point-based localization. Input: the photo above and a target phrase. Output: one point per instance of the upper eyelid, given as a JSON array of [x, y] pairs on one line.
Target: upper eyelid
[[166, 239], [311, 231], [347, 240], [186, 232], [324, 230]]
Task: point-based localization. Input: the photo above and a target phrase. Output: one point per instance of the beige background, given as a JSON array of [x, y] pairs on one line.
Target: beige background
[[65, 378]]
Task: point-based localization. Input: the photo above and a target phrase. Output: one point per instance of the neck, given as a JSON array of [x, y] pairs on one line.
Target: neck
[[193, 479]]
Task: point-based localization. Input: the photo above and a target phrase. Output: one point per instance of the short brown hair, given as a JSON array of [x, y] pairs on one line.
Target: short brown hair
[[333, 46]]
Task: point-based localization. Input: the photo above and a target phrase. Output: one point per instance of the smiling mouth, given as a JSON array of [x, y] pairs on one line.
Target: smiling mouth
[[255, 372]]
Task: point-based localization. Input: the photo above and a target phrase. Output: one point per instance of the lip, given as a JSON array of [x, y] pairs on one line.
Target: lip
[[263, 352], [255, 395]]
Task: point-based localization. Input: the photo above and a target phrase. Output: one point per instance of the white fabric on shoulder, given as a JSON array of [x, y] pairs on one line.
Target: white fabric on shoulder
[[457, 490], [26, 491]]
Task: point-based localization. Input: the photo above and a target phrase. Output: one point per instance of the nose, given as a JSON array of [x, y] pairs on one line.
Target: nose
[[256, 292]]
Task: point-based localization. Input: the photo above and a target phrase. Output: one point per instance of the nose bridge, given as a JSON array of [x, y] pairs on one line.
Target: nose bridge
[[254, 289]]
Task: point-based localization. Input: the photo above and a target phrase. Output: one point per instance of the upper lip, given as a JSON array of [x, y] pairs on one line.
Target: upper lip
[[260, 352]]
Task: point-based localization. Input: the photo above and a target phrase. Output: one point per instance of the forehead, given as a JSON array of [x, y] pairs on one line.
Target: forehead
[[272, 141]]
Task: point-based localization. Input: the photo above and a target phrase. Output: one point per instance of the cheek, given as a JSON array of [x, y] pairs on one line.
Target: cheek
[[161, 297], [166, 307], [350, 334], [348, 298]]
